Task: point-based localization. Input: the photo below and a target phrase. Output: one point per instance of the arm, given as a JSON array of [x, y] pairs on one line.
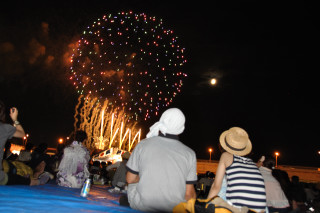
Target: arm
[[190, 192], [225, 161], [132, 178], [19, 130]]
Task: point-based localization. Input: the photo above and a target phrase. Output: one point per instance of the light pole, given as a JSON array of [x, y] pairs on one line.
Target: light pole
[[25, 139], [277, 154], [210, 150]]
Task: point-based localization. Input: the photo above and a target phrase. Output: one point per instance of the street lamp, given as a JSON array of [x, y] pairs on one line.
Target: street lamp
[[60, 140], [25, 139], [277, 154], [210, 150]]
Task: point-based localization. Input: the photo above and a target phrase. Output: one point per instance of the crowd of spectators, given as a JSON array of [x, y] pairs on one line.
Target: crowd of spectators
[[160, 173]]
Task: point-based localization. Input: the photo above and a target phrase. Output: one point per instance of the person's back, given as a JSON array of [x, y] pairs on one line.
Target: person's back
[[207, 178], [311, 192], [204, 184], [119, 178], [73, 168], [245, 185], [166, 169], [39, 156], [297, 194], [25, 155], [283, 179], [276, 199], [244, 176]]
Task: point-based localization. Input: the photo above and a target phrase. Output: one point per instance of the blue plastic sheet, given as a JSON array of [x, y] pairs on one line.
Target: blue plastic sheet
[[53, 198]]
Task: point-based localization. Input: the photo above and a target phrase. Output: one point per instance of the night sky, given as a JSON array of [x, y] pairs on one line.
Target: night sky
[[263, 55]]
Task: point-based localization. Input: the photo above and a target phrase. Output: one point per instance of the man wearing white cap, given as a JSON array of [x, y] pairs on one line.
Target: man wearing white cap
[[161, 169]]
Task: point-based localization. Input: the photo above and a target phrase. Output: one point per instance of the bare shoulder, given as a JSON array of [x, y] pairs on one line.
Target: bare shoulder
[[226, 155], [227, 158]]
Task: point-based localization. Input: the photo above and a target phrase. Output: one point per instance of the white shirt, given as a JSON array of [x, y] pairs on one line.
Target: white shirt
[[275, 195]]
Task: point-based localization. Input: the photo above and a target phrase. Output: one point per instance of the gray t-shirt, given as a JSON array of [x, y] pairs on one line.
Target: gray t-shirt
[[119, 177], [6, 132], [164, 167]]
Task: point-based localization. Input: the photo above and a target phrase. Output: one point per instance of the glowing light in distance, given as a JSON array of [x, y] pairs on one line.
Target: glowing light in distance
[[213, 81]]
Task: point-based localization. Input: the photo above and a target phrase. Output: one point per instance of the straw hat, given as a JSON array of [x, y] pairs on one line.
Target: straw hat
[[236, 141]]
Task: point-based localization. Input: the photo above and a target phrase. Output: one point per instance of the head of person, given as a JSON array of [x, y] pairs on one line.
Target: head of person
[[171, 122], [125, 155], [210, 174], [295, 179], [29, 146], [103, 164], [7, 146], [60, 147], [96, 163], [269, 162], [236, 141], [42, 147], [80, 136], [2, 112]]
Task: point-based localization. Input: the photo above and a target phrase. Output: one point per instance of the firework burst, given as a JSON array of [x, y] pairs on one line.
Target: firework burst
[[105, 126], [132, 61]]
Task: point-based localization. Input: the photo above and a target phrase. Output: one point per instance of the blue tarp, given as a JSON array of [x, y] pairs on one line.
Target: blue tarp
[[53, 198]]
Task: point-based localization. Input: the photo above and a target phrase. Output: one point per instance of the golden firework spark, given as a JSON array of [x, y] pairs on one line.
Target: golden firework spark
[[105, 126]]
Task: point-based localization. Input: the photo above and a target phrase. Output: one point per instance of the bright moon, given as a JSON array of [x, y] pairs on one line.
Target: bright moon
[[213, 81]]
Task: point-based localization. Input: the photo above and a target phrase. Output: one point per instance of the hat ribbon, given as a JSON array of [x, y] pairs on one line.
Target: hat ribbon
[[235, 149]]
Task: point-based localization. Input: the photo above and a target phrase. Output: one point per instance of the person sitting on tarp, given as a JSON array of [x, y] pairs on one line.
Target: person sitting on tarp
[[239, 170], [39, 160], [18, 173], [25, 155], [119, 178], [204, 184], [162, 170], [7, 131], [74, 166]]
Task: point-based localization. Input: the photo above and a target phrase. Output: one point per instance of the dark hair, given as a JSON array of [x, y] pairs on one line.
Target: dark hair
[[269, 162], [2, 112], [284, 180], [80, 136], [295, 179], [29, 146], [96, 163], [41, 148], [210, 174], [60, 147], [7, 145]]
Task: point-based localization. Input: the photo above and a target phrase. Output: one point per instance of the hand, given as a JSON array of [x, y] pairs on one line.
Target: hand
[[14, 113]]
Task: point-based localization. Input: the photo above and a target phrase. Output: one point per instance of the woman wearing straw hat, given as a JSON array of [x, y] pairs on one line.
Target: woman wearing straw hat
[[245, 185]]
